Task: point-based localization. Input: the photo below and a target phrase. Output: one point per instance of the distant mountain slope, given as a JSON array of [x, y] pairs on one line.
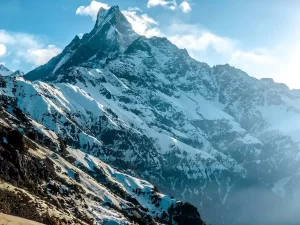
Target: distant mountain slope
[[216, 137], [4, 71]]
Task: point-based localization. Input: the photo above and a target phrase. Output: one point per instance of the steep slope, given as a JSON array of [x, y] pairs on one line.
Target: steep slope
[[66, 186], [6, 219], [112, 34], [4, 71], [213, 136]]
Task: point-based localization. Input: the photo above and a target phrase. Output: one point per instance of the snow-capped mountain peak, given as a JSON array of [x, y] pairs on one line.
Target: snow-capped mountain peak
[[17, 73], [105, 16], [100, 16], [115, 26], [5, 71], [111, 36]]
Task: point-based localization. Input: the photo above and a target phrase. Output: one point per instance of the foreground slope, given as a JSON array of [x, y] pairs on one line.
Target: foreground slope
[[212, 136], [7, 219], [44, 180]]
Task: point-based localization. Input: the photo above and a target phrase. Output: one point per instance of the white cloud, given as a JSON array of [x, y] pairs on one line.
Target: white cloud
[[92, 9], [17, 39], [185, 7], [2, 50], [16, 61], [252, 57], [288, 67], [40, 56], [213, 49], [279, 62], [6, 38], [196, 39], [27, 47], [170, 4], [142, 24]]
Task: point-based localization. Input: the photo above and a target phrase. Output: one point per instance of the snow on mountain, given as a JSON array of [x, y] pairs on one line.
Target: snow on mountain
[[4, 71], [111, 34], [43, 180], [215, 137]]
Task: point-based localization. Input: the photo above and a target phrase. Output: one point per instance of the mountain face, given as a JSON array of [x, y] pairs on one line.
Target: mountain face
[[4, 71], [215, 137], [112, 34], [43, 179]]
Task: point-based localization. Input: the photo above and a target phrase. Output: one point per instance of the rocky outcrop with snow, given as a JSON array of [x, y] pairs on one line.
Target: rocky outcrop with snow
[[44, 180], [4, 71]]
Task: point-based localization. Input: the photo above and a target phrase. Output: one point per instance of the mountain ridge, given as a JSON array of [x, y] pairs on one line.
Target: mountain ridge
[[43, 179], [112, 34], [4, 71]]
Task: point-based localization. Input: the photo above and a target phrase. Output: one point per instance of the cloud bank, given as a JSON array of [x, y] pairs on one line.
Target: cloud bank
[[40, 56], [171, 4], [2, 50], [26, 47], [185, 7], [92, 9]]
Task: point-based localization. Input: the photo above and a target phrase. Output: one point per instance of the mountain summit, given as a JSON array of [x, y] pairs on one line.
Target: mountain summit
[[111, 35], [114, 17], [100, 16], [4, 71]]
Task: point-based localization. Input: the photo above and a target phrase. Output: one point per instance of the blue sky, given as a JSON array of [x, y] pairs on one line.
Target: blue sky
[[262, 37]]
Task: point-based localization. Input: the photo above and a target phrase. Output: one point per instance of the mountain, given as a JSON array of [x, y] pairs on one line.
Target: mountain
[[17, 73], [43, 179], [4, 71], [213, 136], [112, 33]]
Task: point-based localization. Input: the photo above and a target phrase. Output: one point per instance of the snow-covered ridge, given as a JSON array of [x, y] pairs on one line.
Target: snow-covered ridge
[[72, 186], [4, 71]]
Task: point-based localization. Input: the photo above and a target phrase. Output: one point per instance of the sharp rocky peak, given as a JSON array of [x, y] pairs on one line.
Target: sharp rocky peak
[[2, 67], [17, 73], [100, 16], [111, 35], [4, 71], [104, 13], [112, 16]]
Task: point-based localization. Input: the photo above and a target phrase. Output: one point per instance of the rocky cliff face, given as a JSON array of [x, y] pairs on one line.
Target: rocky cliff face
[[216, 137], [4, 71], [43, 179]]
